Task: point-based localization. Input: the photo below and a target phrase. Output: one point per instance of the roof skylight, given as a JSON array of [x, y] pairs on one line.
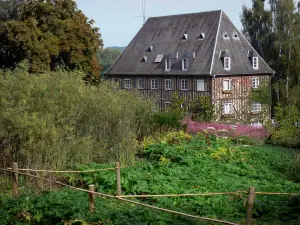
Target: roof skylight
[[201, 36], [225, 36], [185, 37]]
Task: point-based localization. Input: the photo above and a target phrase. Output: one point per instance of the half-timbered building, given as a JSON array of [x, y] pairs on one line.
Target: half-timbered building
[[199, 54]]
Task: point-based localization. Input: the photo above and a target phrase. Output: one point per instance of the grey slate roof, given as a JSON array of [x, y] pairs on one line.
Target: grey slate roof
[[166, 33], [238, 49]]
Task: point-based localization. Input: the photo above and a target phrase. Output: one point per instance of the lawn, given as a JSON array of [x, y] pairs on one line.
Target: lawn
[[175, 163]]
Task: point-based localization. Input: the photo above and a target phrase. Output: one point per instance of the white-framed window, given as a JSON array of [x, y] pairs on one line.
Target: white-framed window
[[168, 64], [184, 84], [227, 63], [227, 108], [154, 83], [255, 82], [200, 85], [141, 83], [256, 123], [255, 107], [127, 83], [255, 62], [227, 85], [168, 84], [114, 80], [184, 64], [167, 104]]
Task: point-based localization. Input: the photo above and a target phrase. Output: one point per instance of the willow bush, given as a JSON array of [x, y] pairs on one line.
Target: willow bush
[[55, 120]]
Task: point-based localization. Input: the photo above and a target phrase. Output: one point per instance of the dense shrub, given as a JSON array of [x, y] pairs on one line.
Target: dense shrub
[[171, 117], [55, 120], [202, 109], [286, 132], [294, 167]]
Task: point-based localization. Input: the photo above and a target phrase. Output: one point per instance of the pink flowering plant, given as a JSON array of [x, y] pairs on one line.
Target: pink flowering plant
[[228, 130]]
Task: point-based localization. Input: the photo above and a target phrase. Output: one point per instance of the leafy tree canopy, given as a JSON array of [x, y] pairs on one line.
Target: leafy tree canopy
[[49, 34], [107, 56]]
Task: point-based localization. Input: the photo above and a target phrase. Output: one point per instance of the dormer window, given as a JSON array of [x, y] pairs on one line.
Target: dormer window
[[253, 56], [227, 65], [185, 37], [255, 63], [225, 36], [167, 64], [201, 36], [185, 64]]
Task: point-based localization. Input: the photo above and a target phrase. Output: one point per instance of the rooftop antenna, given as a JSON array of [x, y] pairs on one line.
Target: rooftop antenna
[[144, 11]]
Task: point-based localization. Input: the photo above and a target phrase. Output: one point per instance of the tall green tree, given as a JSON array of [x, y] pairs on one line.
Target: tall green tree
[[257, 25], [275, 35], [287, 43], [107, 56], [49, 34]]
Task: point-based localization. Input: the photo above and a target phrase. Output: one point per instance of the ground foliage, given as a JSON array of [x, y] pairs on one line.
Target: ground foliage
[[176, 163]]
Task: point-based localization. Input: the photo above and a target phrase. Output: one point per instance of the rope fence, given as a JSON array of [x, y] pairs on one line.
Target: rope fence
[[238, 193], [126, 200], [15, 171], [66, 171]]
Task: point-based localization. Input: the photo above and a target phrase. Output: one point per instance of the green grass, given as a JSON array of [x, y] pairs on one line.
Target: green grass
[[183, 166]]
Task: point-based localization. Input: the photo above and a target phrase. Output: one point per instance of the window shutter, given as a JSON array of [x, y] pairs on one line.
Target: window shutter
[[200, 85]]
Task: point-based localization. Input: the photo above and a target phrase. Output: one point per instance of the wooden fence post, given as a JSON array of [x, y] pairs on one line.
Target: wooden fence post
[[250, 205], [92, 198], [118, 179], [15, 180]]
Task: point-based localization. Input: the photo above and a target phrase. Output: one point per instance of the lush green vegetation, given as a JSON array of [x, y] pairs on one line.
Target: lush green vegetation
[[273, 28], [56, 120], [175, 163]]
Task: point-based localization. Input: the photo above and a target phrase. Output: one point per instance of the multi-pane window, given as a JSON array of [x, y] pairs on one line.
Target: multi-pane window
[[227, 108], [168, 64], [255, 62], [255, 82], [200, 85], [141, 83], [184, 84], [255, 107], [185, 64], [127, 83], [115, 80], [227, 85], [154, 83], [167, 104], [256, 123], [227, 63], [168, 84]]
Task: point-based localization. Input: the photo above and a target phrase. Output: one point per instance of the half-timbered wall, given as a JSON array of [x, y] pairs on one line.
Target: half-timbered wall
[[240, 97], [161, 94]]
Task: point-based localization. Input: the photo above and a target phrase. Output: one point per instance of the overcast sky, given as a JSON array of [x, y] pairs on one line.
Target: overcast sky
[[120, 20]]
